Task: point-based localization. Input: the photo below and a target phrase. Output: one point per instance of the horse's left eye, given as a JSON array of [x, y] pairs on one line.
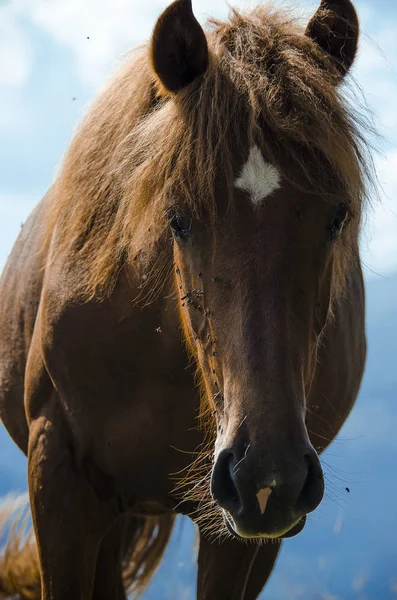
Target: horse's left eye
[[338, 220], [181, 226]]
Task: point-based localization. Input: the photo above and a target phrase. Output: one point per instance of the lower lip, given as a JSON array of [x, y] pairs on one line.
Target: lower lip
[[291, 532]]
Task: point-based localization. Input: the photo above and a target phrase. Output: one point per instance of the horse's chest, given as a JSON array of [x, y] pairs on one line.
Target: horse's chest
[[125, 382]]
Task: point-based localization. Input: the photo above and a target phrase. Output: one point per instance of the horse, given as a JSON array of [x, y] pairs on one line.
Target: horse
[[182, 315]]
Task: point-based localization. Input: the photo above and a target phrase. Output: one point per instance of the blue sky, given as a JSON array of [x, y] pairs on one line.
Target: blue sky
[[54, 57]]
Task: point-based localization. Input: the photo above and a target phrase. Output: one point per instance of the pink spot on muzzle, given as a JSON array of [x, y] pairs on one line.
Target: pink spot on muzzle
[[263, 497]]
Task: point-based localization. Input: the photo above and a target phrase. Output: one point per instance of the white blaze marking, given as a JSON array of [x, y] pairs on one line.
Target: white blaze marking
[[258, 178]]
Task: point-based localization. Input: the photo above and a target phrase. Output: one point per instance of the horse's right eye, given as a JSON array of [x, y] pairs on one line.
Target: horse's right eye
[[338, 221], [181, 227]]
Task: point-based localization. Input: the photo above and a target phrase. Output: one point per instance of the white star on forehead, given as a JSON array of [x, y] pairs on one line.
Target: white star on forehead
[[258, 177]]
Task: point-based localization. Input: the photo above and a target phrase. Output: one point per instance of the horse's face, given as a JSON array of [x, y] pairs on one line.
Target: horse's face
[[254, 289], [254, 293]]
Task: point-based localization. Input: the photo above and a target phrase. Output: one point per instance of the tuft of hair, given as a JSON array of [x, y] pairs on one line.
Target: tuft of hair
[[138, 153], [19, 562], [144, 551], [146, 539]]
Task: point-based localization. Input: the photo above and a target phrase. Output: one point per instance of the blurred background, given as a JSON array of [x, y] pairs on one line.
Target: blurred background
[[54, 56]]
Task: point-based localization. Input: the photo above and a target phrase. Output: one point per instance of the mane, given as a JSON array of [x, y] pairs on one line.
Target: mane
[[138, 153]]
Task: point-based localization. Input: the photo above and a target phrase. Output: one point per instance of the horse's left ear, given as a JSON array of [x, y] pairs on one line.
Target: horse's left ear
[[179, 50], [335, 28]]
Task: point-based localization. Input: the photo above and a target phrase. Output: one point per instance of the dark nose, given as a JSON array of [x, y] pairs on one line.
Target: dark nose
[[266, 500]]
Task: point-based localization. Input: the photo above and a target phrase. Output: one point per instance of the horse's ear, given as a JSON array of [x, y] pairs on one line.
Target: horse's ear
[[335, 28], [179, 50]]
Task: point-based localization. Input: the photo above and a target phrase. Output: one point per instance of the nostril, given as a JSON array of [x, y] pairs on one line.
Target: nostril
[[313, 489], [223, 488]]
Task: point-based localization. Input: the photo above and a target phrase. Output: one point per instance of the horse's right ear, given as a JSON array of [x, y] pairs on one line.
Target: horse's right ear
[[179, 50]]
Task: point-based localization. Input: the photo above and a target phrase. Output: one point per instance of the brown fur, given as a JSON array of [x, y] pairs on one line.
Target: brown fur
[[96, 386]]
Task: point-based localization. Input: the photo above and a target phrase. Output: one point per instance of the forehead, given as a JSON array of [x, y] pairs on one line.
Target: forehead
[[285, 207], [258, 177]]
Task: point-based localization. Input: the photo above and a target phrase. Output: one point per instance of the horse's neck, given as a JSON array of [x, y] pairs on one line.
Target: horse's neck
[[153, 295]]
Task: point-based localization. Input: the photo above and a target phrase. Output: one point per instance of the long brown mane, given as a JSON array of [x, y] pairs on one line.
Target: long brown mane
[[138, 152]]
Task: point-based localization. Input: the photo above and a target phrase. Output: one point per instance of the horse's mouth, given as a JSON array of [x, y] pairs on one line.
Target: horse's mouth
[[293, 531]]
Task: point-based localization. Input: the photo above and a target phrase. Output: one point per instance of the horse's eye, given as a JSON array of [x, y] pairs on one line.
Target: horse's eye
[[181, 226], [338, 220]]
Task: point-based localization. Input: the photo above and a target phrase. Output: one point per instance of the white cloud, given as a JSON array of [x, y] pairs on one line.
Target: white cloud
[[112, 26], [377, 75], [380, 238], [15, 49], [14, 210], [15, 118], [381, 433], [15, 69]]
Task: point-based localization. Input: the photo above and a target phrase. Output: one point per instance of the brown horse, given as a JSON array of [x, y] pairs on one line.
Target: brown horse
[[202, 234]]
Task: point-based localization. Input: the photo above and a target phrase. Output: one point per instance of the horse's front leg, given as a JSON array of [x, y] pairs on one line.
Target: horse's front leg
[[69, 520], [232, 569], [109, 584]]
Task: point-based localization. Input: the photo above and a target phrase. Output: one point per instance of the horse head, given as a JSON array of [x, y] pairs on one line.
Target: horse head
[[256, 265]]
